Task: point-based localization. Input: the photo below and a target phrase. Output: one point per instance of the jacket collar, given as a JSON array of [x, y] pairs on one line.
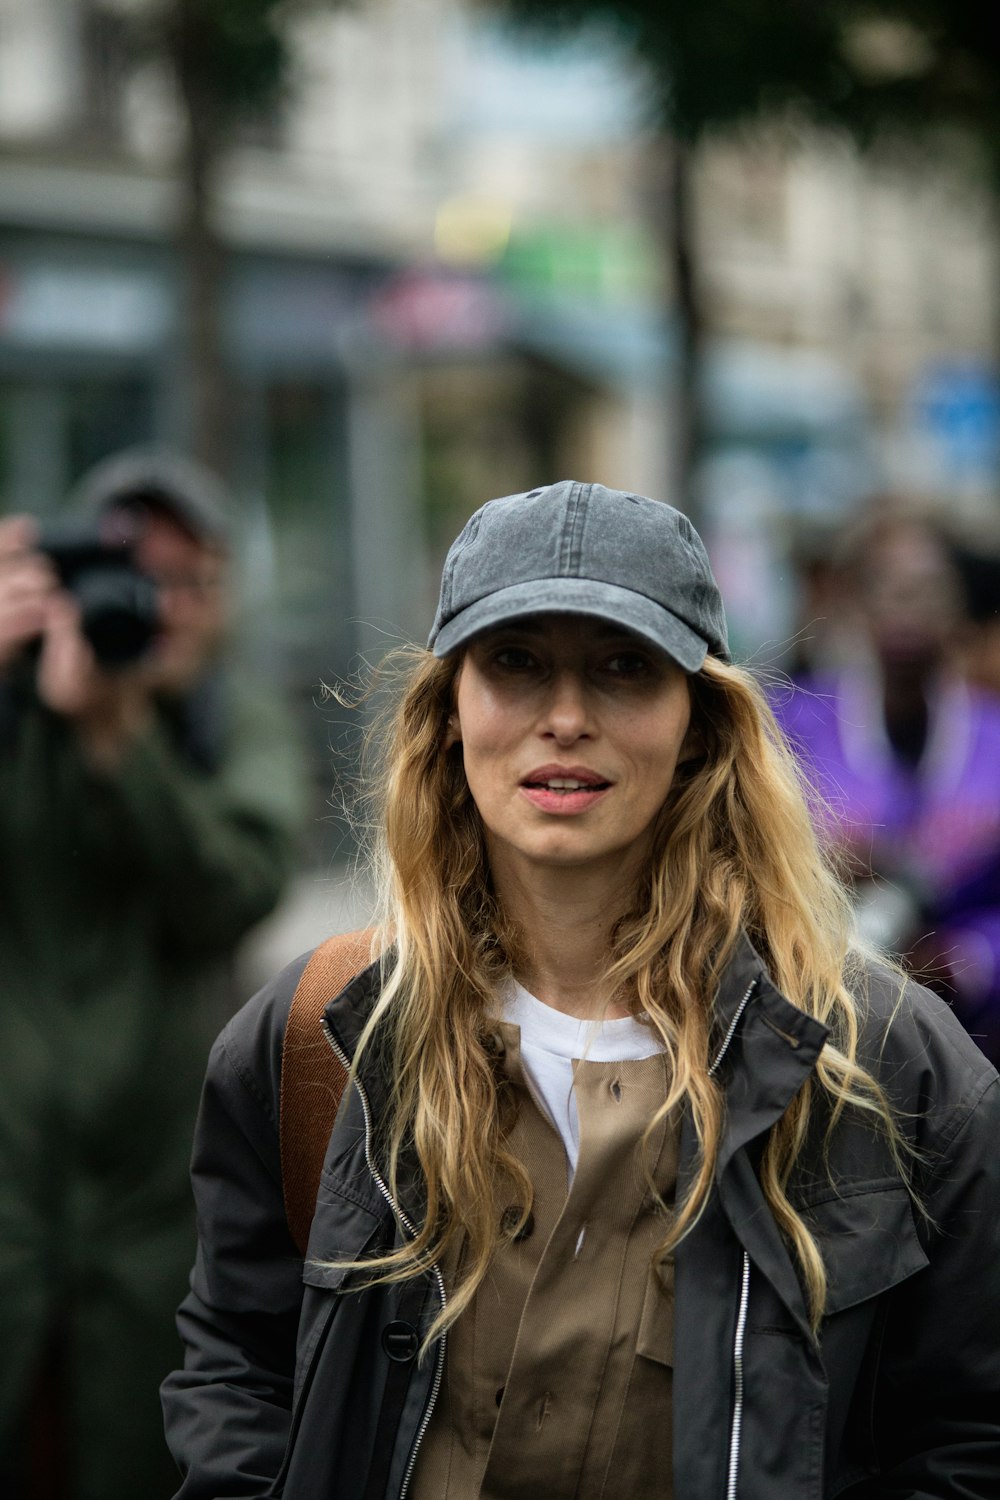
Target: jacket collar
[[770, 1054], [766, 1056], [347, 1013], [764, 1047], [346, 1017]]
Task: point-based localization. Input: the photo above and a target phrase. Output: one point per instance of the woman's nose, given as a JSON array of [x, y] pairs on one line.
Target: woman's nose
[[567, 715]]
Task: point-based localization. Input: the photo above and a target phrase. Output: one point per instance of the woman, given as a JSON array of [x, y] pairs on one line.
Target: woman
[[646, 1184]]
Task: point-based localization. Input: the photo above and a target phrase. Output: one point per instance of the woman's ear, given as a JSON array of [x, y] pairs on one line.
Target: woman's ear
[[453, 730], [692, 746], [453, 725]]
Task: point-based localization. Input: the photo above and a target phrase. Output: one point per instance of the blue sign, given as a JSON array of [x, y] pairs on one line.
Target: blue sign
[[958, 406]]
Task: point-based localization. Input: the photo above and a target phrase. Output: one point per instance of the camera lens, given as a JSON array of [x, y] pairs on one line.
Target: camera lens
[[119, 613], [119, 606]]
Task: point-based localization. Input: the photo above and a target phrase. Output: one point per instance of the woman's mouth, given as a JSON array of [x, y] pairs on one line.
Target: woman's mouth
[[554, 790]]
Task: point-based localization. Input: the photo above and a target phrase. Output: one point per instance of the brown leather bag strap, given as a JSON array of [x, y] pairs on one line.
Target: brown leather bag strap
[[312, 1078]]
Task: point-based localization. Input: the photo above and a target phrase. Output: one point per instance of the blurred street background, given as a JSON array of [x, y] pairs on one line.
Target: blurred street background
[[377, 261], [369, 263]]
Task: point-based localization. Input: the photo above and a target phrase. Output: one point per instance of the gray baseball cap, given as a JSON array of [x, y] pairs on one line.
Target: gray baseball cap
[[163, 477], [582, 549]]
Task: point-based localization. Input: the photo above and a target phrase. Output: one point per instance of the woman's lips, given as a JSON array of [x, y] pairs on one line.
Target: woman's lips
[[564, 789]]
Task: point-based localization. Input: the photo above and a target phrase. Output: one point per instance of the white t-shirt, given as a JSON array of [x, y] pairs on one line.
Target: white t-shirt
[[551, 1040]]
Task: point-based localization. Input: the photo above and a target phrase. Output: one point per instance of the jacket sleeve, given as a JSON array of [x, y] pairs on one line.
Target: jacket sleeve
[[935, 1411], [216, 846], [227, 1412]]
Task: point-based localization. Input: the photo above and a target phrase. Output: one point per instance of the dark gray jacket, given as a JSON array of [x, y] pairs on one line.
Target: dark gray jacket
[[298, 1384]]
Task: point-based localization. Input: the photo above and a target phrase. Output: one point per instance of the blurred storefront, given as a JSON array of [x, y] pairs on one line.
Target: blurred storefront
[[88, 363], [446, 280]]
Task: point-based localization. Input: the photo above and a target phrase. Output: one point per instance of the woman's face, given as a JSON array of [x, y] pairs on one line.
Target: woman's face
[[571, 730], [911, 597]]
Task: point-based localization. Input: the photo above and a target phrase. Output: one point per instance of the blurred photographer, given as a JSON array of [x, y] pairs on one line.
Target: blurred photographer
[[149, 805]]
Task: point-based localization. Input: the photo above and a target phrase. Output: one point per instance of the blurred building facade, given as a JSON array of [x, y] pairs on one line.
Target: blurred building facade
[[888, 264], [445, 281], [378, 376], [854, 303]]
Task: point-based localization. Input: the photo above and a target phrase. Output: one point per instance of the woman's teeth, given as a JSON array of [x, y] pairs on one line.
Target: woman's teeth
[[564, 784]]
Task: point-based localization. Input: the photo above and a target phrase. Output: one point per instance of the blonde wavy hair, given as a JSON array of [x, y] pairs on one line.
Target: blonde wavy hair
[[734, 849]]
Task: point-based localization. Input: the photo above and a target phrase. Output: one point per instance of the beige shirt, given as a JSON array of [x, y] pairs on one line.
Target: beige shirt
[[558, 1378]]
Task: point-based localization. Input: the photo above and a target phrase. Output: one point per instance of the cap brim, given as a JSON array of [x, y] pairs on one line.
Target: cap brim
[[576, 596]]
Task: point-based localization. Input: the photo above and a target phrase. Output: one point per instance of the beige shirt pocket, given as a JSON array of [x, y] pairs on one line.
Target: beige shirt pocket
[[656, 1324]]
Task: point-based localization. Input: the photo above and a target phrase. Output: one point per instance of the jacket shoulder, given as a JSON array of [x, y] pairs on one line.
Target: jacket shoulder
[[251, 1044], [920, 1053]]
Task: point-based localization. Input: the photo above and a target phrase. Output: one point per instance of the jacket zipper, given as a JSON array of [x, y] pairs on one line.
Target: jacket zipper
[[736, 1425], [407, 1223], [736, 1428], [730, 1031]]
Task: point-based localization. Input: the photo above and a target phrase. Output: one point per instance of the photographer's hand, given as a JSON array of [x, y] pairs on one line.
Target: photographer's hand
[[108, 710], [27, 586]]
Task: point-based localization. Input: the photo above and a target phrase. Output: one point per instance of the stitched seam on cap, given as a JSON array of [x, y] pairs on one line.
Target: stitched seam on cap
[[447, 588], [571, 544], [468, 535]]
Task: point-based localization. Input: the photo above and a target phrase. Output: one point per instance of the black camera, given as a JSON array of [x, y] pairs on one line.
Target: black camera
[[119, 606]]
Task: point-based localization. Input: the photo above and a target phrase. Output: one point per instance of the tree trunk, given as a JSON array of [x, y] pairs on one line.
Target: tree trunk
[[681, 248], [207, 397], [670, 211]]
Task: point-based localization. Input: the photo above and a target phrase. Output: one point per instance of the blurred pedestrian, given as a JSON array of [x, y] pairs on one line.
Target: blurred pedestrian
[[822, 632], [644, 1183], [905, 754], [149, 806], [979, 571]]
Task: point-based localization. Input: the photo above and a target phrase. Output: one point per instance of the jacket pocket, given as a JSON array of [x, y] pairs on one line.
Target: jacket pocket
[[656, 1323], [343, 1230], [868, 1240], [323, 1282]]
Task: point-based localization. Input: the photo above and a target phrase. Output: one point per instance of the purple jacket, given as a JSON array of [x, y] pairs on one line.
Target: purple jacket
[[932, 831]]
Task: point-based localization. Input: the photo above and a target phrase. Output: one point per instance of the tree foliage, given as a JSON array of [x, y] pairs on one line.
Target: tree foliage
[[230, 61], [234, 52], [877, 67], [867, 64], [918, 64]]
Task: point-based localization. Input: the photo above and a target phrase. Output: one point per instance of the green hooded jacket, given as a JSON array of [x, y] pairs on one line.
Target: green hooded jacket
[[122, 896]]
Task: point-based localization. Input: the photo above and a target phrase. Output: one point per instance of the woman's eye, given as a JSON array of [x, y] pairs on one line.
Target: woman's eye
[[627, 664], [514, 658]]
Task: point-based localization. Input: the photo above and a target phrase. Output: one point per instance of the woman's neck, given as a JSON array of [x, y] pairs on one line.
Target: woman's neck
[[565, 918]]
